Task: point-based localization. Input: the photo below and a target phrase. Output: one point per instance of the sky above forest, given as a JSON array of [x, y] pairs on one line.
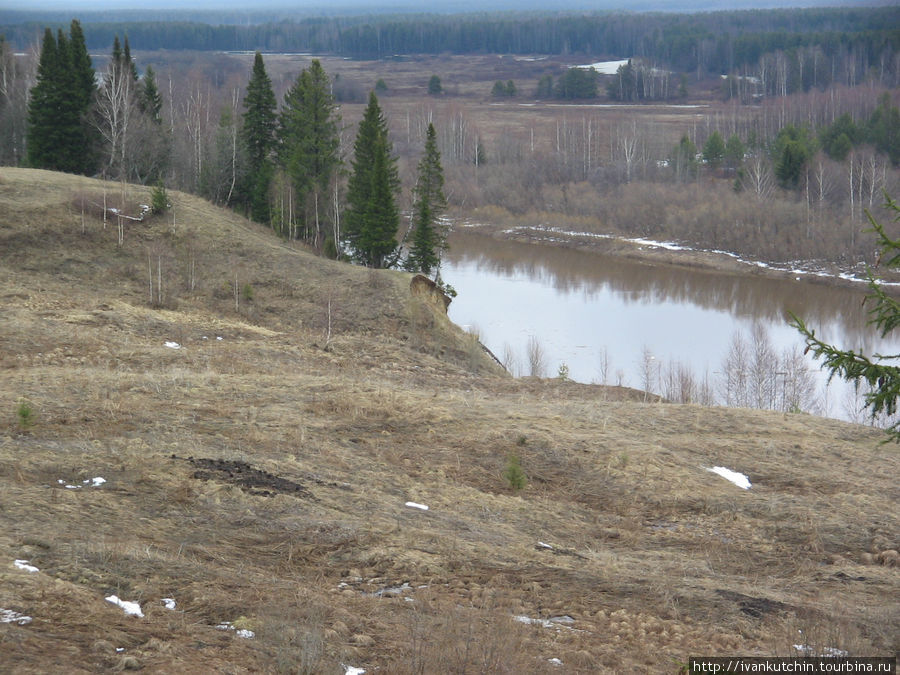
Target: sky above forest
[[441, 6]]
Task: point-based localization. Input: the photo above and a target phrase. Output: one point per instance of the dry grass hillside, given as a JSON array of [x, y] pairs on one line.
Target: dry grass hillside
[[263, 478]]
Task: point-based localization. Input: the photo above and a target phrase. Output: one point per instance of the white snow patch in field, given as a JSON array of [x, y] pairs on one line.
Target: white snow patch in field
[[738, 479], [543, 545], [9, 616], [414, 505], [219, 337], [832, 652], [172, 345], [169, 603], [130, 608], [350, 670], [242, 633], [24, 565], [605, 67], [528, 620], [90, 482], [556, 662]]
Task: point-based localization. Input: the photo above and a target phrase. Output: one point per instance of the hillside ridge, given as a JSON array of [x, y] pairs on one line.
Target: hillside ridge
[[261, 458]]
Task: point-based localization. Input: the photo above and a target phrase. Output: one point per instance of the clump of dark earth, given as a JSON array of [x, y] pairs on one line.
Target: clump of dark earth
[[254, 481]]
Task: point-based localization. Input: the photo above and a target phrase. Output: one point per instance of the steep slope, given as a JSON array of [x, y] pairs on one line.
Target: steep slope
[[265, 478]]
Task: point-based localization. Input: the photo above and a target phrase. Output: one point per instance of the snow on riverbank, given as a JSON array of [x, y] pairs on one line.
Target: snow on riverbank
[[798, 268]]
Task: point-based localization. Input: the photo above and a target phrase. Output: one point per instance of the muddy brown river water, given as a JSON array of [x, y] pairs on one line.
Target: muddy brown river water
[[611, 320]]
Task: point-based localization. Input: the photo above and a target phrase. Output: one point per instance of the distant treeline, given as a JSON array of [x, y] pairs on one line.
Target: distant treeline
[[713, 42]]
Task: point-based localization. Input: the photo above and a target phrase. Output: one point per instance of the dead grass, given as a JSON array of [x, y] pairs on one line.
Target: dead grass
[[652, 557]]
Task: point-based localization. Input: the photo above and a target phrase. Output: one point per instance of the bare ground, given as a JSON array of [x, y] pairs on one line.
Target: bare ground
[[262, 479]]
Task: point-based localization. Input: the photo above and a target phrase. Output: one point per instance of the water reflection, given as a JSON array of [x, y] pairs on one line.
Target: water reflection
[[585, 309]]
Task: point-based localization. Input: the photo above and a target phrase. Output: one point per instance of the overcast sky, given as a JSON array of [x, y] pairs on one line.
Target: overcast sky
[[382, 6]]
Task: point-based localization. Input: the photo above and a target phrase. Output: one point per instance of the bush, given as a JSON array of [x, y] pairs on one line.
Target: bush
[[159, 200], [25, 413], [514, 474]]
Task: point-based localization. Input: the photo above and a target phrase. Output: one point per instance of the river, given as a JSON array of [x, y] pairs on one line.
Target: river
[[614, 321]]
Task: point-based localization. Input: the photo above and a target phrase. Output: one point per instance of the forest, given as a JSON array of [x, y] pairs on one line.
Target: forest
[[704, 118]]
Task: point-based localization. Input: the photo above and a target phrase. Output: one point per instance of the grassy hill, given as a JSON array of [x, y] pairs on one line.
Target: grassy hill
[[263, 479]]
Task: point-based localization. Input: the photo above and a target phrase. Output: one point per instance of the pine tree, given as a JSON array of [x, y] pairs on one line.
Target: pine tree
[[714, 150], [149, 98], [84, 77], [878, 371], [429, 238], [258, 135], [128, 61], [309, 144], [56, 136], [377, 239], [372, 128]]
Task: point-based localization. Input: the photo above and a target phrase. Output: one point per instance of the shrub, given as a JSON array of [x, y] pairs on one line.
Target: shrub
[[25, 413], [159, 199], [514, 474]]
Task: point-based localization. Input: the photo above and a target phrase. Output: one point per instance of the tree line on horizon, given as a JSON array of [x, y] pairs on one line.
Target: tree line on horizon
[[281, 167], [709, 43]]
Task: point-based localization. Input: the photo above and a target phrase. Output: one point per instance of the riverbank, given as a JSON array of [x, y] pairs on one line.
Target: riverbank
[[659, 252]]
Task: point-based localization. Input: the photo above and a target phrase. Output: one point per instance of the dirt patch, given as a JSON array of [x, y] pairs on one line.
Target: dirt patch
[[251, 480], [755, 607]]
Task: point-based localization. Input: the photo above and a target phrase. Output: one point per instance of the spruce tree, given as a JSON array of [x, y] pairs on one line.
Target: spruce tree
[[428, 237], [309, 143], [377, 239], [56, 136], [372, 128], [258, 134], [84, 77], [149, 99], [129, 62]]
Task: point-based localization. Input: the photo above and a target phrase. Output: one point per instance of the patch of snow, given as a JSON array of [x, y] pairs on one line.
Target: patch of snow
[[672, 246], [119, 650], [738, 479], [393, 590], [562, 619], [242, 633], [831, 652], [531, 622], [130, 608], [350, 670], [9, 616], [219, 337], [172, 345], [169, 603], [204, 338], [24, 565], [414, 505], [556, 662], [90, 482], [605, 67], [543, 545]]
